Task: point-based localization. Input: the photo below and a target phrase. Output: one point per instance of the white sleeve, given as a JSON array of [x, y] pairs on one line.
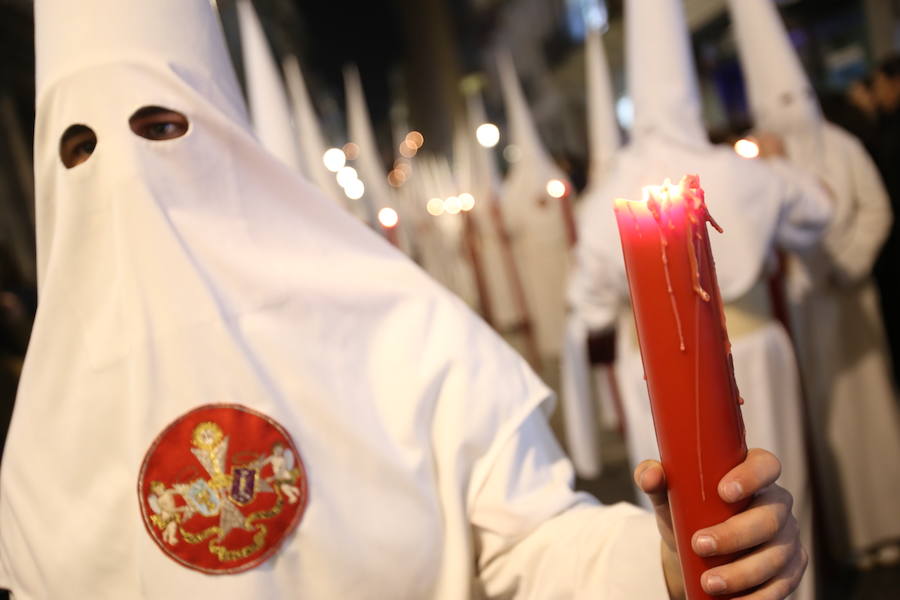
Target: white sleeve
[[806, 209], [854, 246], [537, 539]]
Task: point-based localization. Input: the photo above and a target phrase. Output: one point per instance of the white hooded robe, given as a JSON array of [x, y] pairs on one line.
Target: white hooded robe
[[836, 318], [535, 222], [200, 270], [578, 402], [758, 210]]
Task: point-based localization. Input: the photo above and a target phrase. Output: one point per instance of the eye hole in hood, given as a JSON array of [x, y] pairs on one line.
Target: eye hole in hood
[[76, 145], [157, 123]]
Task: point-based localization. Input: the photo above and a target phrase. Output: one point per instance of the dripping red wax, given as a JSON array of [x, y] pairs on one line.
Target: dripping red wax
[[686, 355]]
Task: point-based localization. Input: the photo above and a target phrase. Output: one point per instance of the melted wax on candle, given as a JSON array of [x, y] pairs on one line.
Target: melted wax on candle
[[659, 201]]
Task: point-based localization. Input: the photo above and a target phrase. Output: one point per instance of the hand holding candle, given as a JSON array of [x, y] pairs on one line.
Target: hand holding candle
[[766, 532], [694, 399]]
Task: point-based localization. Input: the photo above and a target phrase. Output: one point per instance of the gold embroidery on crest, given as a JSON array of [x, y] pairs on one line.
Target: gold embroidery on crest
[[222, 495]]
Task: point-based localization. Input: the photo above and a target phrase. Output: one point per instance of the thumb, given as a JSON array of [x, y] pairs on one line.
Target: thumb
[[651, 479]]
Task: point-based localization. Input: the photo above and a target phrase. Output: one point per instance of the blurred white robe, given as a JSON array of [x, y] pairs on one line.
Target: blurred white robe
[[843, 352], [535, 222], [835, 318]]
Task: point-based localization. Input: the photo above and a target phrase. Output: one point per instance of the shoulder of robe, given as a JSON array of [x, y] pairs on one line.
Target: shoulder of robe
[[839, 139], [486, 389]]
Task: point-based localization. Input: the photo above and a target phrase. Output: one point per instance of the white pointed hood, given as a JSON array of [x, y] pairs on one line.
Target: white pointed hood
[[201, 270], [524, 197], [71, 39], [309, 133], [359, 126], [745, 197], [603, 129], [523, 132], [76, 37], [662, 81], [779, 93], [266, 96]]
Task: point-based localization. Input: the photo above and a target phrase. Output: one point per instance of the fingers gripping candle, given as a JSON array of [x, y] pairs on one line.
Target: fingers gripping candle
[[686, 355]]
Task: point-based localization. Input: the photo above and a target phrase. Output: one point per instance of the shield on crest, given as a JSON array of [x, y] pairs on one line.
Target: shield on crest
[[203, 499], [243, 484]]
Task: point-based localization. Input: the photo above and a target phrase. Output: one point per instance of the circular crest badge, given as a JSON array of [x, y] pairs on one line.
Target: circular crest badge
[[221, 488]]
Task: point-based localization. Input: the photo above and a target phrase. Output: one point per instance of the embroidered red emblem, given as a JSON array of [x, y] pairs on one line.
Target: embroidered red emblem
[[221, 488]]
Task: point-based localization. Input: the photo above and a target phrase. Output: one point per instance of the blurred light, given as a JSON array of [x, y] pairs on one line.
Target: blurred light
[[346, 175], [355, 189], [556, 188], [334, 159], [746, 148], [625, 112], [388, 217], [407, 150], [351, 151], [487, 135], [512, 153], [415, 139], [452, 205], [396, 177], [466, 201], [435, 207]]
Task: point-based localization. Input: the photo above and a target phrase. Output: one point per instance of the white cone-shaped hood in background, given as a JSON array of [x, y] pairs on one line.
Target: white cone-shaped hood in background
[[309, 132], [522, 130], [779, 93], [525, 186], [661, 77], [359, 128], [603, 129], [266, 96]]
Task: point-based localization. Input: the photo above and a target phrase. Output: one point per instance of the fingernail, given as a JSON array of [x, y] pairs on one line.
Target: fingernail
[[641, 477], [705, 544], [733, 491], [714, 584]]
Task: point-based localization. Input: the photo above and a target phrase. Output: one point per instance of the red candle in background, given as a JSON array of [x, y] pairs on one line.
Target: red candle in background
[[686, 356]]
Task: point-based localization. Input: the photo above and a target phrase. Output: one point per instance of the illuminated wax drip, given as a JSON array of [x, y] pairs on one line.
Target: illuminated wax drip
[[659, 200]]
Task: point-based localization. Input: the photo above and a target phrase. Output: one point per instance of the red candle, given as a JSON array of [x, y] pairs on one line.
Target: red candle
[[686, 356]]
